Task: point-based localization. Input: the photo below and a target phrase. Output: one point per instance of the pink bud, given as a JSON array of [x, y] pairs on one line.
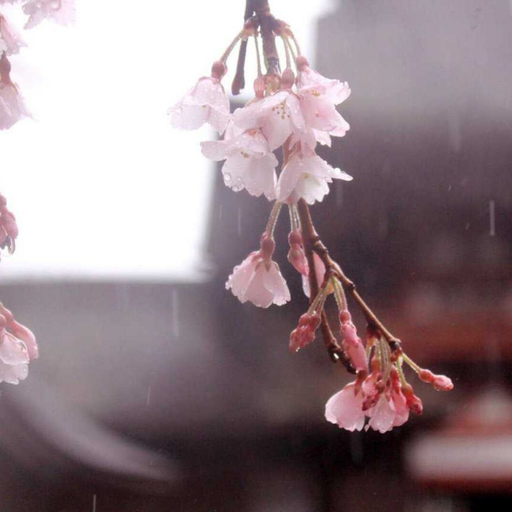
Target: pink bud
[[294, 237], [302, 62], [219, 69], [414, 403], [296, 255], [267, 246], [442, 383], [304, 334], [287, 79]]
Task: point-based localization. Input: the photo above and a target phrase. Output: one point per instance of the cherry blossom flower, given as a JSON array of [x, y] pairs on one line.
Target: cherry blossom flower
[[309, 80], [8, 227], [61, 11], [12, 105], [249, 162], [17, 347], [259, 281], [319, 95], [10, 40], [307, 177], [206, 102], [278, 116], [345, 408]]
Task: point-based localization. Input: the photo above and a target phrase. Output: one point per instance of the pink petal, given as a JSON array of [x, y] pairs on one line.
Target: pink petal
[[345, 409], [401, 408], [12, 350], [12, 374], [320, 275], [12, 106], [12, 41], [257, 291], [275, 282], [382, 415]]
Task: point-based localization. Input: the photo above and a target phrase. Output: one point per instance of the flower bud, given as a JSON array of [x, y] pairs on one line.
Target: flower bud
[[219, 69], [302, 62], [288, 79]]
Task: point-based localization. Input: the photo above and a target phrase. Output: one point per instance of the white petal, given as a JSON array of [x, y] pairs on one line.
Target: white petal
[[12, 350], [382, 415], [257, 292], [215, 150], [295, 111], [187, 116], [250, 116], [275, 282], [218, 120], [12, 374], [289, 177], [242, 275], [260, 176], [277, 129]]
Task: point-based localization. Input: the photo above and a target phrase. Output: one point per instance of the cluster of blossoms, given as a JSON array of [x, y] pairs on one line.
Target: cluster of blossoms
[[18, 344], [292, 112], [12, 105]]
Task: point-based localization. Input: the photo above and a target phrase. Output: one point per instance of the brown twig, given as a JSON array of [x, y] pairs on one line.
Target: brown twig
[[312, 239], [312, 242], [239, 79], [267, 23]]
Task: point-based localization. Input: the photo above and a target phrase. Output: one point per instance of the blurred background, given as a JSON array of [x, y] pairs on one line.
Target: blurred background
[[156, 389]]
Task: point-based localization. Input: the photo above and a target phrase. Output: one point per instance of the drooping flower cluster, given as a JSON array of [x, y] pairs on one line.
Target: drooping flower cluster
[[292, 112], [383, 396], [18, 344], [12, 105]]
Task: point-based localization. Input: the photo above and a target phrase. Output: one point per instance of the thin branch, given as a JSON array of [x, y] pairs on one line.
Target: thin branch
[[239, 79]]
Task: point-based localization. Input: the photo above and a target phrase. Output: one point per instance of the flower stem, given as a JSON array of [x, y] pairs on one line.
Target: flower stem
[[272, 220], [232, 46], [287, 52], [411, 363], [258, 55], [313, 243]]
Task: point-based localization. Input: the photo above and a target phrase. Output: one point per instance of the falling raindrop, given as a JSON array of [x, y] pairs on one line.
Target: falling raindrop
[[339, 195], [220, 211], [492, 218], [148, 399], [94, 503], [175, 314], [239, 221]]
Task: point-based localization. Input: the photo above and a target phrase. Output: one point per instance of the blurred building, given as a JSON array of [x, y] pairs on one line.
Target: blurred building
[[152, 397]]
